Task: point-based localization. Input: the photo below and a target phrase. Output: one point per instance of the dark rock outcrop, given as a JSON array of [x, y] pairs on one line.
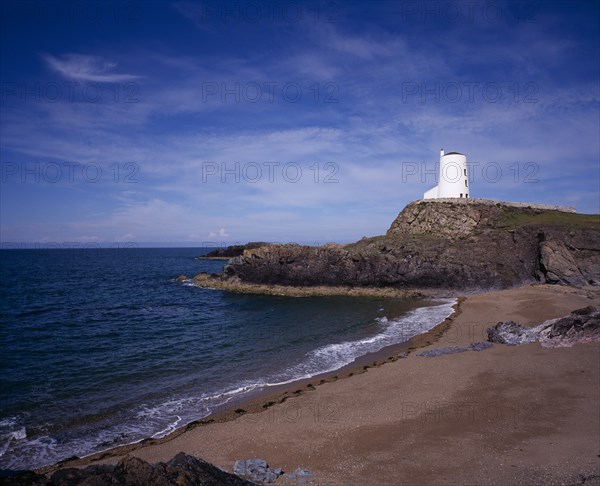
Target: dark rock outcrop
[[234, 250], [580, 326], [571, 259], [182, 470], [442, 245]]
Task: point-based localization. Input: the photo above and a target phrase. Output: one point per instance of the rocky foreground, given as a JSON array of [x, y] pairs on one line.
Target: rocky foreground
[[182, 470], [437, 245]]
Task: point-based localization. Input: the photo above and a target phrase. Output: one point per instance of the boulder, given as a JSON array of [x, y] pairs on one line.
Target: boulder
[[512, 333], [257, 470], [580, 326]]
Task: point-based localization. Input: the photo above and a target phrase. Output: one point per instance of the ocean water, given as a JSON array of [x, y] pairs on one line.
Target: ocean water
[[103, 347]]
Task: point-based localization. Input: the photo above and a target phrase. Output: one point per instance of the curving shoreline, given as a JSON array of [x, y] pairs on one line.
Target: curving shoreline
[[401, 422], [265, 398]]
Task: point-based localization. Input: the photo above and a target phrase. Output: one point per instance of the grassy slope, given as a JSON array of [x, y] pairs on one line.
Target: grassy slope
[[512, 219]]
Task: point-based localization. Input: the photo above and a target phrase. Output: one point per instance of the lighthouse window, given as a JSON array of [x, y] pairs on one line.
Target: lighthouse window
[[465, 172], [466, 185]]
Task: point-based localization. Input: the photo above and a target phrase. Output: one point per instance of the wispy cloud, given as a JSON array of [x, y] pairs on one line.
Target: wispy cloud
[[173, 129], [87, 68], [222, 233]]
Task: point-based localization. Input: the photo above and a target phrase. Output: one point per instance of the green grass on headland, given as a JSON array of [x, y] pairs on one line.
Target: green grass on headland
[[517, 219]]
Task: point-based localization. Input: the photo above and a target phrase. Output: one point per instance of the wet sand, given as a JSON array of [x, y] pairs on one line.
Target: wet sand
[[505, 415]]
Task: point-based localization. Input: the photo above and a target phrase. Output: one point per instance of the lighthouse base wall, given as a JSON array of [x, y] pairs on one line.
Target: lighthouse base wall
[[431, 193], [493, 202]]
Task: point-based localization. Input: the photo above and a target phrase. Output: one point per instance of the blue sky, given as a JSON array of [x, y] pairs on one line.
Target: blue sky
[[195, 122]]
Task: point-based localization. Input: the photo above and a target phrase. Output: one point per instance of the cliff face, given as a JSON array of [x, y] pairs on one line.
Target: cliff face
[[444, 220], [443, 245]]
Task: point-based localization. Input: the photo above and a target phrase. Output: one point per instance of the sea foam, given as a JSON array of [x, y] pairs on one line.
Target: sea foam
[[334, 356]]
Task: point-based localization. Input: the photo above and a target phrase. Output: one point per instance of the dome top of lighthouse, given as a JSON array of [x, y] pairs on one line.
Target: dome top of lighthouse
[[454, 153]]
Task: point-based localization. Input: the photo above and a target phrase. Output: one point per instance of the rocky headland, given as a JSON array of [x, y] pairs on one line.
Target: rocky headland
[[231, 251], [441, 245]]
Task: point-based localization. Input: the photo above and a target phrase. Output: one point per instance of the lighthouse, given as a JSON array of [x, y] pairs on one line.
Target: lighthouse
[[453, 178]]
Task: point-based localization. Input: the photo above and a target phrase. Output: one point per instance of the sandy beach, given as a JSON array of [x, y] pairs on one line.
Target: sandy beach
[[505, 415]]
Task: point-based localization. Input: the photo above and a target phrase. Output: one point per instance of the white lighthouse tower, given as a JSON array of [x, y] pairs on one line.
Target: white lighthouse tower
[[453, 178]]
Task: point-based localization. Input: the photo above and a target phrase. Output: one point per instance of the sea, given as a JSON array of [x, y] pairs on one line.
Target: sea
[[104, 347]]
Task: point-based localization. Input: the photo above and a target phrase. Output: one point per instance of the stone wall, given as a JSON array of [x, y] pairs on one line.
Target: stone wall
[[493, 202]]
